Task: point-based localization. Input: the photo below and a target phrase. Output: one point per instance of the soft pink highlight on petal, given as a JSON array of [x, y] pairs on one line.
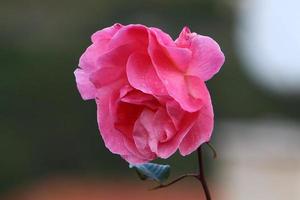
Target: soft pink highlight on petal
[[207, 57], [105, 35], [100, 39], [84, 85], [88, 60]]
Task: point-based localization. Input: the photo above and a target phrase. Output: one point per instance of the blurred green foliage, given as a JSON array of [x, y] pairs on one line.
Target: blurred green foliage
[[47, 128]]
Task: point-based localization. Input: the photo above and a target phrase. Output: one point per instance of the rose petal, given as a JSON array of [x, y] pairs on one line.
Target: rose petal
[[136, 156], [141, 132], [207, 57], [100, 39], [86, 89], [112, 65], [106, 106], [134, 160], [172, 78], [166, 130], [132, 96], [106, 34], [135, 35], [115, 140], [196, 88], [180, 57], [88, 60], [125, 117], [184, 38], [106, 76], [164, 38], [161, 126], [166, 149], [200, 132], [175, 113], [142, 76]]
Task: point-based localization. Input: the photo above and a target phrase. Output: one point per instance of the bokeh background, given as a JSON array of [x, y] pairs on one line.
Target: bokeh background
[[50, 147]]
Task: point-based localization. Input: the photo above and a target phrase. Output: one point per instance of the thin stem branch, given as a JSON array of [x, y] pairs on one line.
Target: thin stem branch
[[212, 148], [201, 176], [175, 181]]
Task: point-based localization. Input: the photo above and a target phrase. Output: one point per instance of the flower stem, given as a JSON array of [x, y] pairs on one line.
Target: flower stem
[[201, 176], [176, 180]]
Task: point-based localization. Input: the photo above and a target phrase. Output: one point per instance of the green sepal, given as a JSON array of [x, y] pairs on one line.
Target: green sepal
[[152, 171]]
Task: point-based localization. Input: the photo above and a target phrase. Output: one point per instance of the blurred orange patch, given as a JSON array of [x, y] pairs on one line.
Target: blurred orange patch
[[73, 188]]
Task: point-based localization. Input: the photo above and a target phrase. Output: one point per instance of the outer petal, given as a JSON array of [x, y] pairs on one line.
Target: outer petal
[[200, 132], [88, 60], [180, 57], [106, 108], [207, 57], [104, 35], [164, 38], [106, 76], [184, 39], [142, 75], [100, 39], [86, 89], [112, 65], [135, 35], [172, 78]]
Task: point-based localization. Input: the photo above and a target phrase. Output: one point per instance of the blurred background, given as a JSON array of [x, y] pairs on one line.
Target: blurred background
[[50, 147]]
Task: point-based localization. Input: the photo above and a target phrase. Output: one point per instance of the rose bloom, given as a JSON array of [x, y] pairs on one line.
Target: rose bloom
[[150, 90]]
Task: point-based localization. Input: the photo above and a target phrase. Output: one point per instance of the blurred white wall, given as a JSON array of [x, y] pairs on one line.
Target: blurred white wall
[[260, 160], [268, 41]]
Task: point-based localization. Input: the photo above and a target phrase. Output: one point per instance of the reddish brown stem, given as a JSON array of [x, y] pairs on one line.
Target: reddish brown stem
[[201, 176], [176, 180]]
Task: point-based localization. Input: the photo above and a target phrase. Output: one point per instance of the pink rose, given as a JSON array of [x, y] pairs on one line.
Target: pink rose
[[150, 90]]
